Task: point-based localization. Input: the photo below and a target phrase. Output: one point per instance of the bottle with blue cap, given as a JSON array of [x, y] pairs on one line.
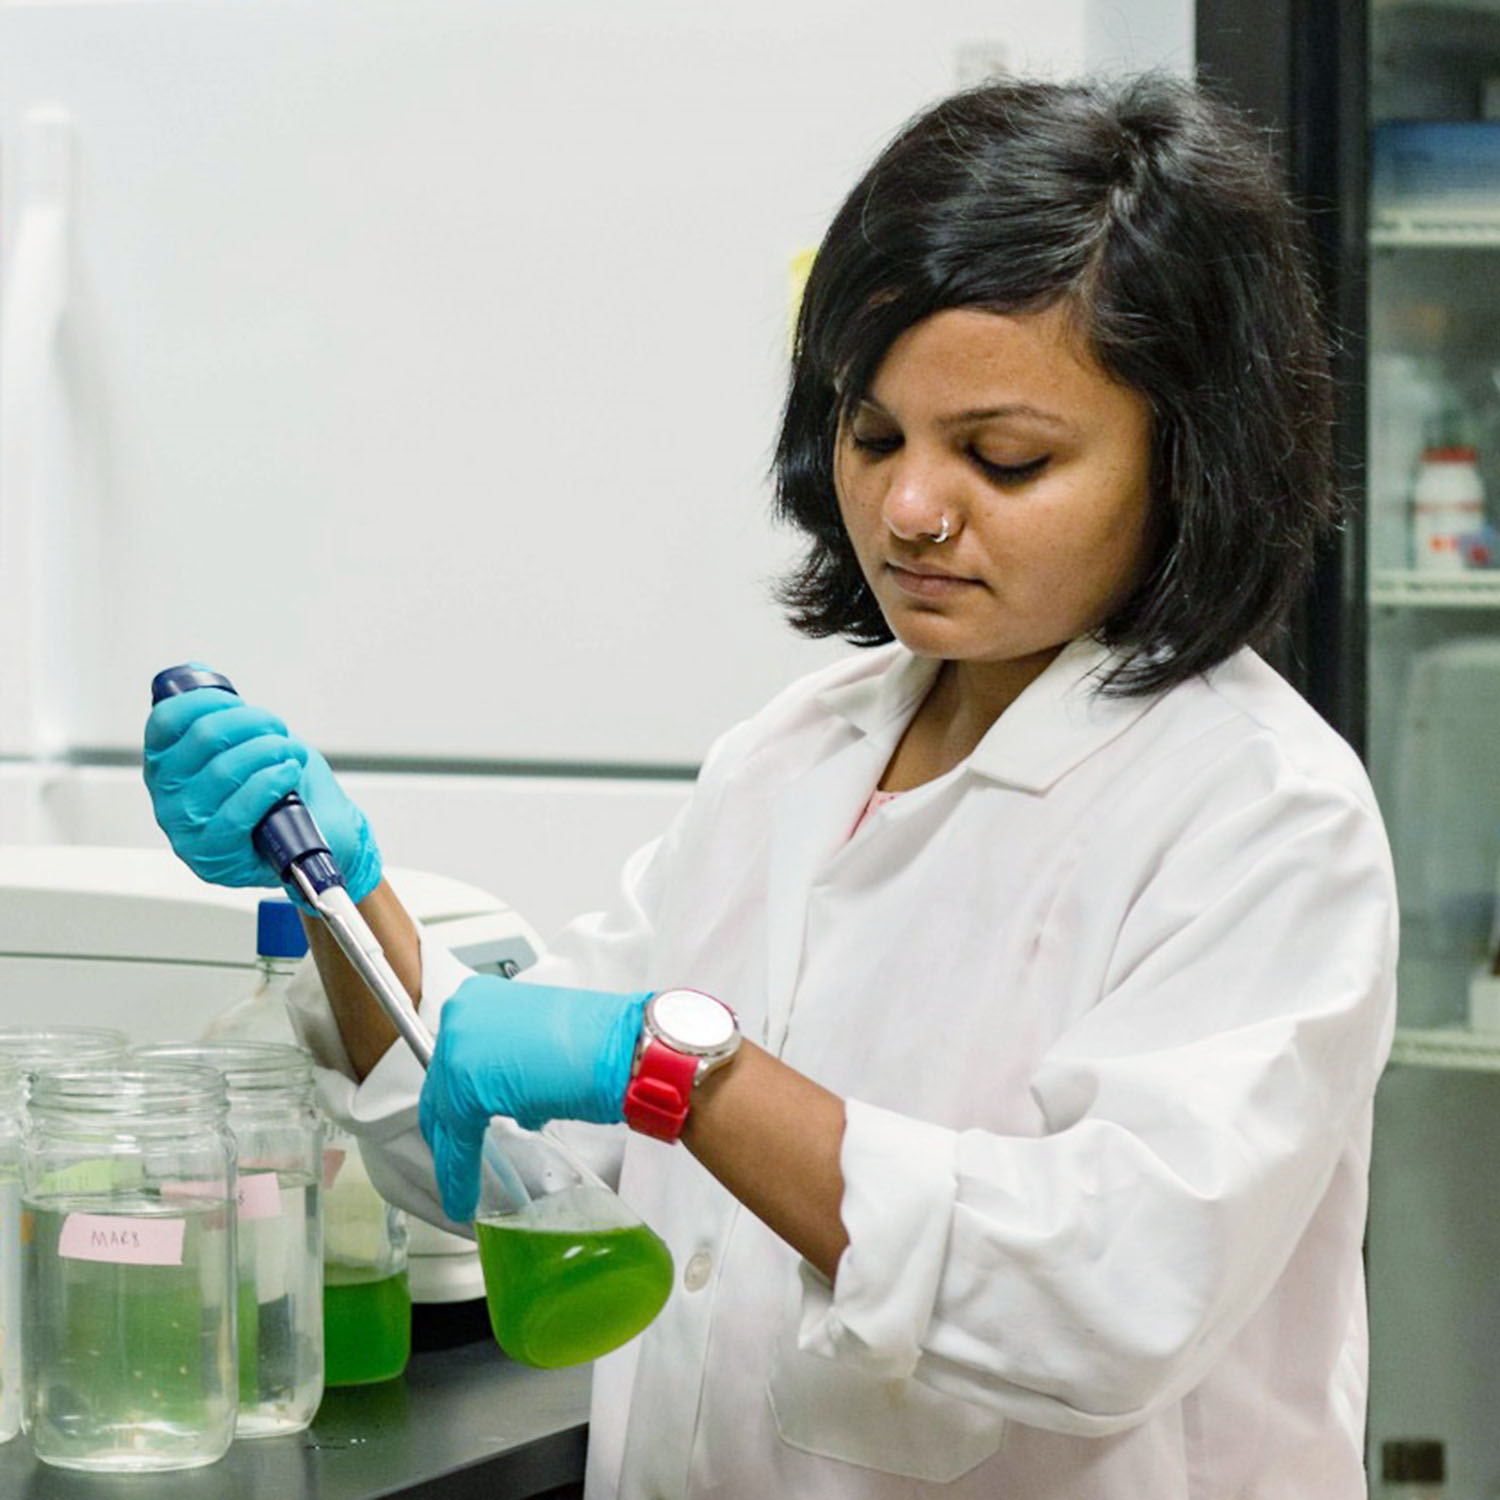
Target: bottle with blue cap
[[280, 945]]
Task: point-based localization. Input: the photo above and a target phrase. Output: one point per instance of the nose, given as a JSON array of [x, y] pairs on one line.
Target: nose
[[918, 506]]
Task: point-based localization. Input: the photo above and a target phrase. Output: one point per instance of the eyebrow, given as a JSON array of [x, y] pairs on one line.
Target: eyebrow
[[989, 413], [1011, 409]]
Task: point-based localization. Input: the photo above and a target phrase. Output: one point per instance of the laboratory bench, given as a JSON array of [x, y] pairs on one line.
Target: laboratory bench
[[463, 1423]]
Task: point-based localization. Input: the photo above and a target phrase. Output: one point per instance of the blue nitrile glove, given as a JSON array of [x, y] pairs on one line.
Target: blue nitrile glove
[[530, 1051], [216, 765]]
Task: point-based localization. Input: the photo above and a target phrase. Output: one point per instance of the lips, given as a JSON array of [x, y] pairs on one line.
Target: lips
[[927, 583]]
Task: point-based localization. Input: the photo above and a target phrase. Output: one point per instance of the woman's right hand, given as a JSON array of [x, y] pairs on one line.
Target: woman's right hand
[[216, 765]]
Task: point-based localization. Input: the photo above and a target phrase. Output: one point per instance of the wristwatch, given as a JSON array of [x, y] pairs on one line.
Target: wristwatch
[[685, 1036]]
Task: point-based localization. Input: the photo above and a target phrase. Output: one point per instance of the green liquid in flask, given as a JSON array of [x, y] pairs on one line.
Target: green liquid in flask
[[366, 1325], [562, 1296]]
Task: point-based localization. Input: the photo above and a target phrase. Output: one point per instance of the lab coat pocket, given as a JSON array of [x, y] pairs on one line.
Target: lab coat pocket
[[837, 1410]]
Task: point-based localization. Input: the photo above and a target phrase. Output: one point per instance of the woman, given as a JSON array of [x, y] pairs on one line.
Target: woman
[[1060, 930]]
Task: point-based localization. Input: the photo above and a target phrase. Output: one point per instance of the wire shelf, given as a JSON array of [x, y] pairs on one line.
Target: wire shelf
[[1434, 228], [1408, 589], [1448, 1047]]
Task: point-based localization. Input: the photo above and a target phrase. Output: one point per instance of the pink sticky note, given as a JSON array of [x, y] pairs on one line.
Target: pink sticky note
[[122, 1240], [259, 1196]]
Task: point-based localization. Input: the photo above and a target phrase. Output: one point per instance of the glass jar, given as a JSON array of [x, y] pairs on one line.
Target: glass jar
[[22, 1050], [27, 1047], [10, 1251], [366, 1296], [279, 1243], [128, 1262]]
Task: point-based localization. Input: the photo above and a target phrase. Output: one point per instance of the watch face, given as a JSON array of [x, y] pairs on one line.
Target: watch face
[[693, 1021]]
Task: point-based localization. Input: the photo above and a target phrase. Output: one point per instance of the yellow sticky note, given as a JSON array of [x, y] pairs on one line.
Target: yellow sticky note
[[799, 267]]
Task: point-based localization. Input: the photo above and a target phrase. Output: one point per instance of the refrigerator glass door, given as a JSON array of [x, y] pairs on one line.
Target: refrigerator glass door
[[1433, 565]]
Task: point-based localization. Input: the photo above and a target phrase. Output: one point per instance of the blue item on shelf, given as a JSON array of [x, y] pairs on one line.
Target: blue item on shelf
[[1452, 162]]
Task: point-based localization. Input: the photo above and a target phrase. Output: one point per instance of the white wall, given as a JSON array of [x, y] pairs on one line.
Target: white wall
[[1129, 35]]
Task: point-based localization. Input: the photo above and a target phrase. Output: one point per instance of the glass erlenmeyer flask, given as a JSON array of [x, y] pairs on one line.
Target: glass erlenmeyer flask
[[570, 1271]]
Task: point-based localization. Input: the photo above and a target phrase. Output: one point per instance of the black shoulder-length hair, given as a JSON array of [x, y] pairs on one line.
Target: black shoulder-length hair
[[1155, 216]]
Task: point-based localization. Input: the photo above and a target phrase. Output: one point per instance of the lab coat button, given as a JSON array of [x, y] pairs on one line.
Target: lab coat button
[[695, 1273]]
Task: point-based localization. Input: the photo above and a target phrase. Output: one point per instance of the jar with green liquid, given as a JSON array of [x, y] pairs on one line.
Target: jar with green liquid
[[570, 1271], [366, 1298]]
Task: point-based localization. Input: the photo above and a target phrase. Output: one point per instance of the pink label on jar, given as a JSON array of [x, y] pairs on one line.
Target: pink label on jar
[[121, 1240], [259, 1196], [333, 1160]]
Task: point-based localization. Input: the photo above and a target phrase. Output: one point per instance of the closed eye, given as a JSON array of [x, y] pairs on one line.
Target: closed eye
[[1009, 473]]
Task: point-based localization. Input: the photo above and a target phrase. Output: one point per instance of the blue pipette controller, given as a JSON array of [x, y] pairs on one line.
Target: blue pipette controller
[[289, 834], [289, 838]]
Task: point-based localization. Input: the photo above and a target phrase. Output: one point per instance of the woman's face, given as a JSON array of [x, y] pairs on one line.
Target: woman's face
[[1005, 429]]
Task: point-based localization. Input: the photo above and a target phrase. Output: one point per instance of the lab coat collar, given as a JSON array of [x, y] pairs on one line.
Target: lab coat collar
[[892, 686], [1057, 723]]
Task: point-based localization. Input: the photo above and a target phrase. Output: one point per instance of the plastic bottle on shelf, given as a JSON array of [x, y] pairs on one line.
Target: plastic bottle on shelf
[[1448, 521]]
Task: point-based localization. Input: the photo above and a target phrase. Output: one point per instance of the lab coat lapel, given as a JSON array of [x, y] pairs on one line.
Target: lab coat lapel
[[811, 821], [812, 818]]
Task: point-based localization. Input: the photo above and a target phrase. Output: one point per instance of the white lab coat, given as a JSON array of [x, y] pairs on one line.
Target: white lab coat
[[1107, 1003]]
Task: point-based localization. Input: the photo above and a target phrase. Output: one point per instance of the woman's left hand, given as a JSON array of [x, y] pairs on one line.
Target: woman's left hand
[[533, 1052]]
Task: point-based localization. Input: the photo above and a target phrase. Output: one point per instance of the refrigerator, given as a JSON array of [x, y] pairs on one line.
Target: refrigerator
[[1387, 114], [418, 366]]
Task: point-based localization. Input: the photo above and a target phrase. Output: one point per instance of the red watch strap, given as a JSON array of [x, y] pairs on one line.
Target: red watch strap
[[660, 1090]]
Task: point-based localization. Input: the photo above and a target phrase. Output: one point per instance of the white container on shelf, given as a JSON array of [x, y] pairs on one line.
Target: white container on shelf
[[1447, 506]]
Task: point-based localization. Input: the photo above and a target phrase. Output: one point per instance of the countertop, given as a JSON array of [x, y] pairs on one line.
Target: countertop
[[461, 1424]]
